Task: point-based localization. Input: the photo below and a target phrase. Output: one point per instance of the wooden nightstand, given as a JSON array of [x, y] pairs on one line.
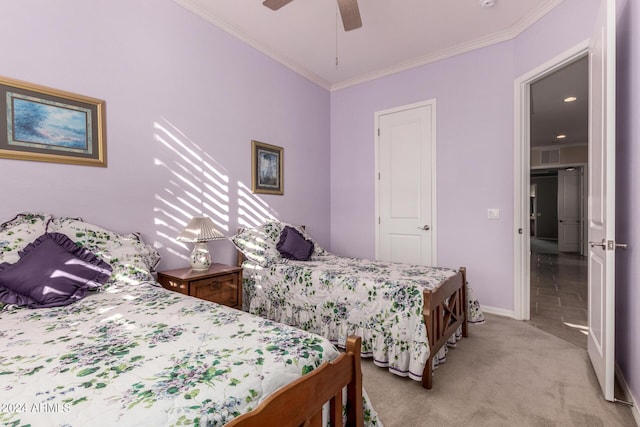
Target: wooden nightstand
[[220, 283]]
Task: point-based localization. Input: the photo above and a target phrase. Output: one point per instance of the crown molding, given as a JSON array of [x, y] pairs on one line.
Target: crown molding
[[423, 60], [509, 34], [225, 26], [502, 36], [527, 21]]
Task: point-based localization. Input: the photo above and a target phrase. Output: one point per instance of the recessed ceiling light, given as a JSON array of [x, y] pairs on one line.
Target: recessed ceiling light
[[487, 3], [570, 99], [561, 136]]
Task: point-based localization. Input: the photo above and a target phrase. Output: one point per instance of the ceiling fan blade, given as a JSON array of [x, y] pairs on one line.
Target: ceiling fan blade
[[350, 14], [276, 4]]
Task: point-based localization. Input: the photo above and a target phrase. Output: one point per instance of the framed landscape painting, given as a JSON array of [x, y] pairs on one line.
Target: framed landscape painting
[[267, 168], [49, 125]]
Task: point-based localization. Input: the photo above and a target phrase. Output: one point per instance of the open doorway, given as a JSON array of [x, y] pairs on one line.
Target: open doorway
[[601, 245], [559, 134], [558, 267]]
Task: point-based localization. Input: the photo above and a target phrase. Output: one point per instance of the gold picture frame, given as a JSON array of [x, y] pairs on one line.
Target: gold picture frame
[[267, 168], [50, 125]]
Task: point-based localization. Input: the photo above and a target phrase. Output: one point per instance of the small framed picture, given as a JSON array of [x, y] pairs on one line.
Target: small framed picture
[[49, 125], [267, 173]]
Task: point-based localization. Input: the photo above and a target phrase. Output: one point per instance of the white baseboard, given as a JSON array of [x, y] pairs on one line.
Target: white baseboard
[[498, 311], [628, 396]]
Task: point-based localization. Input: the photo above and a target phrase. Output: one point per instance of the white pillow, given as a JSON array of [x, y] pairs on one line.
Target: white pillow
[[258, 244], [132, 260]]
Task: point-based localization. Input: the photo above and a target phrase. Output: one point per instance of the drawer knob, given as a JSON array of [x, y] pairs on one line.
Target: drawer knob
[[214, 286]]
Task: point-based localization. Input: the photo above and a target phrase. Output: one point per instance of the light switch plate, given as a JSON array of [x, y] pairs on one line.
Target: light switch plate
[[493, 213]]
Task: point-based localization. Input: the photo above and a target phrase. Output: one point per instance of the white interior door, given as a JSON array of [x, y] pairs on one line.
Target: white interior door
[[601, 198], [569, 210], [406, 184]]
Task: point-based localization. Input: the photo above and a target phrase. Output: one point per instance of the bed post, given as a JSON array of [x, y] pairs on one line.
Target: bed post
[[464, 303], [240, 258], [429, 318], [355, 411]]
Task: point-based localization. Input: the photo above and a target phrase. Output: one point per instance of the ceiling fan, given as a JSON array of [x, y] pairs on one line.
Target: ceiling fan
[[348, 11]]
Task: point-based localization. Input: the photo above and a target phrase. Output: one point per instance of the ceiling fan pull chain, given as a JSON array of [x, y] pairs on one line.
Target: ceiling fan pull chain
[[336, 35]]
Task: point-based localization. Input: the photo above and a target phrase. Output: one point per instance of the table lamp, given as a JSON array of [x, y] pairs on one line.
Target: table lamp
[[199, 231]]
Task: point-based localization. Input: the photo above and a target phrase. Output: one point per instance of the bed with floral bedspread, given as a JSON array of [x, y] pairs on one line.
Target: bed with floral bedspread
[[337, 296], [132, 353]]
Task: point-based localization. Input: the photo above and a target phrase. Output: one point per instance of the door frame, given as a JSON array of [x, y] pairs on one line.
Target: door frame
[[522, 166], [434, 198]]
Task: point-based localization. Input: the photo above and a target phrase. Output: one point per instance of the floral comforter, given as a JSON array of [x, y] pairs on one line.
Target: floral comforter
[[337, 296], [136, 354]]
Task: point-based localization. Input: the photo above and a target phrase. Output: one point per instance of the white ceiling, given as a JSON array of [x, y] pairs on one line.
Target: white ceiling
[[551, 116], [307, 35]]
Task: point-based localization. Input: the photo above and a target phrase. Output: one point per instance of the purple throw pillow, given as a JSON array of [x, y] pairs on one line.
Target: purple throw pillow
[[293, 245], [52, 271]]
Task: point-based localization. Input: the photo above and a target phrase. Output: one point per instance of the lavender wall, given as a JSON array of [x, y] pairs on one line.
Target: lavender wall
[[181, 95], [474, 95], [475, 115], [628, 195]]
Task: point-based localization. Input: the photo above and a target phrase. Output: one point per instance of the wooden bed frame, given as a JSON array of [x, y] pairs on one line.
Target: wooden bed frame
[[444, 310], [300, 403]]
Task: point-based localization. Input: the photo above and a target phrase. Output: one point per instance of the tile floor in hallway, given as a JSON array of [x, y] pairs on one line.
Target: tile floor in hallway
[[559, 292]]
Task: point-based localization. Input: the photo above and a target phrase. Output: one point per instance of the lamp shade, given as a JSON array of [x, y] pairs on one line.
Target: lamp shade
[[200, 229]]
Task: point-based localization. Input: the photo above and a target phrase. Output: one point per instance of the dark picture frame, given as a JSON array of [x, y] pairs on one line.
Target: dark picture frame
[[267, 168], [42, 124]]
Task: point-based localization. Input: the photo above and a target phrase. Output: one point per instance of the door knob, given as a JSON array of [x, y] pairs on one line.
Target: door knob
[[424, 228], [608, 244]]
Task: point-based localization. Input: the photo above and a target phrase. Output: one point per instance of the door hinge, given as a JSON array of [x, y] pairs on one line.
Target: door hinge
[[378, 176], [378, 131], [520, 230], [378, 220]]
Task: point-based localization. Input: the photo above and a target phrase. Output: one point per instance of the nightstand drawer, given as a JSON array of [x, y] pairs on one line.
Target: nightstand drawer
[[221, 289], [174, 285], [219, 283]]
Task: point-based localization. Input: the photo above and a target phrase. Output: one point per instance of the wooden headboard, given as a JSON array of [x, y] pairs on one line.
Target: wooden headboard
[[241, 258]]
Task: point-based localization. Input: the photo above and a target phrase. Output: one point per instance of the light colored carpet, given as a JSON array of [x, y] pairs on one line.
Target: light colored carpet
[[506, 373]]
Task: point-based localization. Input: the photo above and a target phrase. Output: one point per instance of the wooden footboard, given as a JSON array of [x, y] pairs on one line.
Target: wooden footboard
[[445, 309], [300, 403]]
